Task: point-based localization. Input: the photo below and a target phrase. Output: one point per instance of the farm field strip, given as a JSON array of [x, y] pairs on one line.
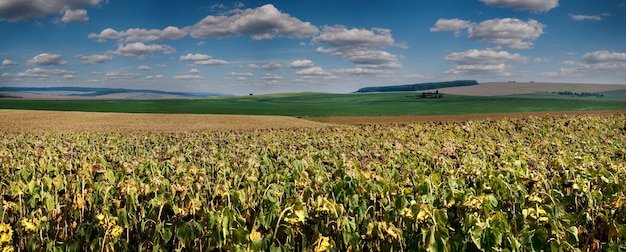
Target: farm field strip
[[55, 121], [523, 184]]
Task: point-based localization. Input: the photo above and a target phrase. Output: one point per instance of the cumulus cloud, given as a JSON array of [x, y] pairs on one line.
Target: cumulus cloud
[[455, 25], [598, 61], [20, 10], [269, 66], [140, 35], [530, 5], [340, 36], [8, 62], [313, 71], [79, 15], [95, 59], [203, 59], [483, 61], [46, 59], [144, 68], [195, 57], [509, 33], [359, 46], [301, 64], [140, 50], [262, 23]]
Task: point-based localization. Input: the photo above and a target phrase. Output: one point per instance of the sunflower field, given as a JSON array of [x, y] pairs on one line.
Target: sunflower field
[[528, 184]]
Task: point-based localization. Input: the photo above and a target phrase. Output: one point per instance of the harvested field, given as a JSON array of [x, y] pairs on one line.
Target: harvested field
[[54, 121], [504, 88], [448, 118]]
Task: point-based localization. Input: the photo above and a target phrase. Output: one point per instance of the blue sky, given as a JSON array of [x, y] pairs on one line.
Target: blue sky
[[293, 46]]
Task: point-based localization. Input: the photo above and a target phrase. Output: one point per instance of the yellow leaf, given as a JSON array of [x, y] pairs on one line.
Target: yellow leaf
[[297, 215], [254, 235], [322, 244]]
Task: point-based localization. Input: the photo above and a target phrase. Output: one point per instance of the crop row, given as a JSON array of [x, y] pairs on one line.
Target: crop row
[[539, 183]]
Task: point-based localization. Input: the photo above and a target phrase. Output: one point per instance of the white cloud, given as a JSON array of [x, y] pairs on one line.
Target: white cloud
[[79, 15], [269, 76], [507, 32], [265, 22], [145, 68], [140, 50], [301, 64], [455, 25], [140, 35], [269, 66], [530, 5], [154, 78], [195, 57], [211, 62], [203, 59], [95, 59], [106, 34], [40, 73], [585, 17], [121, 75], [340, 36], [193, 71], [19, 10], [483, 61], [8, 62], [359, 46], [358, 71], [510, 33], [46, 59], [242, 74], [598, 61], [604, 57], [541, 60], [312, 71], [188, 77]]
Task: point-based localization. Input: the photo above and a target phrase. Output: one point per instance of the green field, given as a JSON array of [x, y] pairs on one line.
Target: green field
[[323, 104]]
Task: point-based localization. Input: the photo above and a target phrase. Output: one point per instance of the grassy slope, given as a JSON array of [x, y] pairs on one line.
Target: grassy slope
[[320, 104]]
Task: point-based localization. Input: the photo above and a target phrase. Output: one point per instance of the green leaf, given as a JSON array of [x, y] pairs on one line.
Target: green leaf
[[166, 234], [572, 235], [539, 239], [489, 239], [48, 201], [110, 176], [476, 235], [225, 226], [514, 242], [435, 244]]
